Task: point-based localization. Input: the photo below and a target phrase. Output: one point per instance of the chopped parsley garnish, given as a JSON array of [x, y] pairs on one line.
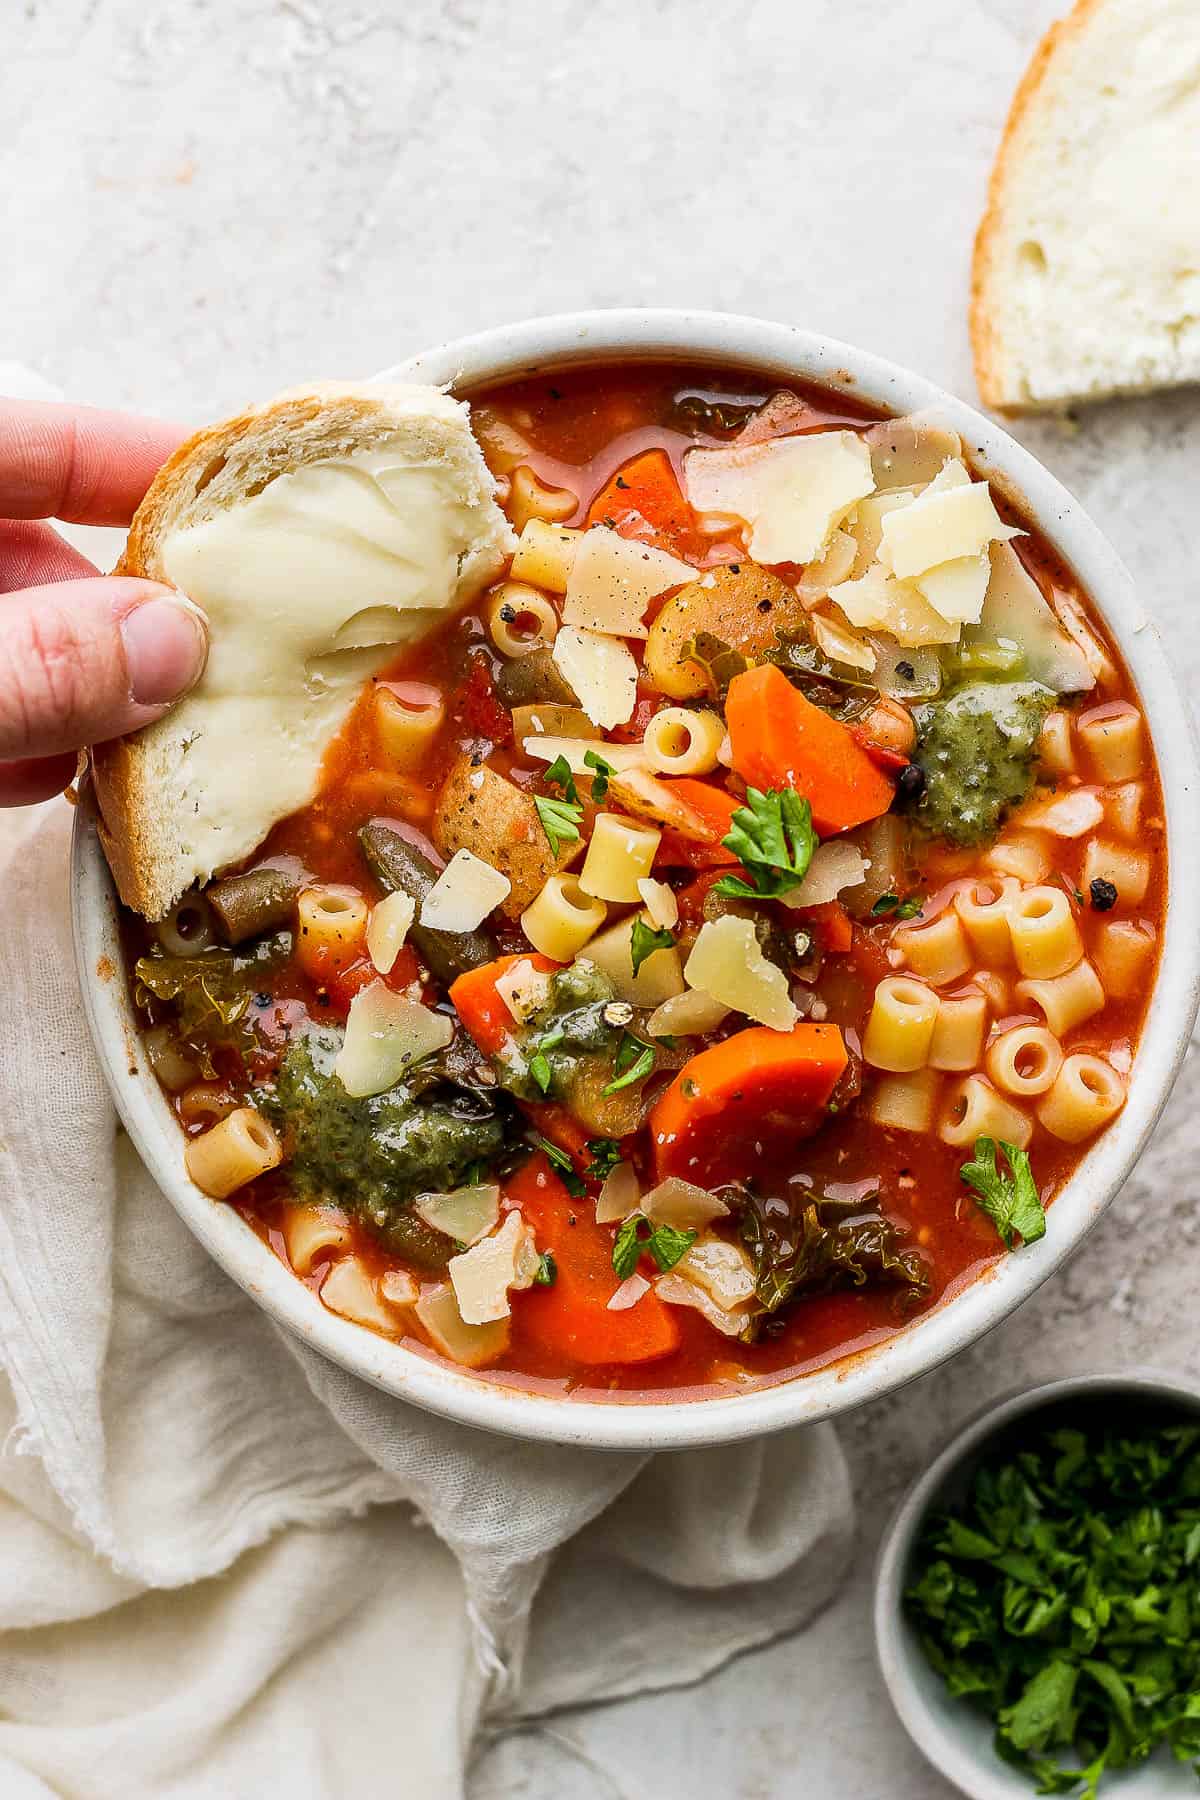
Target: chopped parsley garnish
[[634, 1061], [560, 1160], [663, 1242], [560, 818], [539, 1062], [1010, 1201], [603, 775], [605, 1154], [891, 906], [559, 775], [772, 837], [645, 941], [1103, 894], [546, 1273], [1059, 1597]]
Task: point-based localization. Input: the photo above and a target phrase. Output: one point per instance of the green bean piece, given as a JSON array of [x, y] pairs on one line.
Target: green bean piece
[[398, 865], [528, 680], [248, 905]]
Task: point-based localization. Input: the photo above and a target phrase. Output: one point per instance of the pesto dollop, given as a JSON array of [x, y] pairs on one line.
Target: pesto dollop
[[977, 751]]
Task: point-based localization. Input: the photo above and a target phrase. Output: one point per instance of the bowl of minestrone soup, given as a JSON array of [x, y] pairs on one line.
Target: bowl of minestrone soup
[[773, 892]]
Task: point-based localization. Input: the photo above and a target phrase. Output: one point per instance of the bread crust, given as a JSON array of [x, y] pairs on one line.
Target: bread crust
[[985, 338]]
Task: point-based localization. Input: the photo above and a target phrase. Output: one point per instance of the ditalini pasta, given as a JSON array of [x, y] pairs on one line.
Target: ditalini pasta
[[750, 887]]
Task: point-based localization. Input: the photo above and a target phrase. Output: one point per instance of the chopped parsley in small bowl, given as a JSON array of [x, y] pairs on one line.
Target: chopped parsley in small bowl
[[1037, 1607]]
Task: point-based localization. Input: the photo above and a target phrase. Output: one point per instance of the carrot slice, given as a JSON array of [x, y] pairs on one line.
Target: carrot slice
[[716, 808], [779, 739], [480, 1007], [830, 924], [745, 1105], [644, 493], [570, 1319]]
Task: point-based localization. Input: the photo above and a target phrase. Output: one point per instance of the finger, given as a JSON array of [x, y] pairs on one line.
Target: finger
[[82, 661], [31, 554], [77, 462], [38, 778]]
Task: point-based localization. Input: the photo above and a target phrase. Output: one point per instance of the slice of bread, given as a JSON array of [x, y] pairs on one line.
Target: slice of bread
[[1086, 279], [318, 532]]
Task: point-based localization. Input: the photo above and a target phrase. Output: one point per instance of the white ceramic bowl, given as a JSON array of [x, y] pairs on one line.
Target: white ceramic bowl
[[955, 1737], [781, 353]]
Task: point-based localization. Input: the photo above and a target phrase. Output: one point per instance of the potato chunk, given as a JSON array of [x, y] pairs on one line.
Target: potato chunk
[[746, 607], [481, 811]]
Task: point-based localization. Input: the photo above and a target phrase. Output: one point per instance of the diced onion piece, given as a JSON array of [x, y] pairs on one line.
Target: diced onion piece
[[942, 523], [722, 1269], [905, 673], [619, 1196], [876, 601], [463, 895], [1015, 608], [659, 976], [842, 644], [660, 902], [470, 1345], [483, 1275], [387, 928], [349, 1289], [793, 492], [575, 752], [602, 672], [613, 580], [629, 1293], [835, 865], [957, 589], [466, 1214], [386, 1034], [727, 963], [689, 1014], [911, 451], [683, 1205], [677, 1291], [399, 1288], [524, 990], [1069, 815], [620, 853]]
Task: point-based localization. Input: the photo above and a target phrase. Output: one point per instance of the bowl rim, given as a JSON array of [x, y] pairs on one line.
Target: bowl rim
[[781, 352], [896, 1653]]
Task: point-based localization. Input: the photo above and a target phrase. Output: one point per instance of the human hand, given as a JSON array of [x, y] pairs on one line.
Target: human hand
[[83, 657]]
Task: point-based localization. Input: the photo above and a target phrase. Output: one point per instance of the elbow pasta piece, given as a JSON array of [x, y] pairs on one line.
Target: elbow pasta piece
[[1024, 856], [407, 719], [520, 619], [905, 1102], [977, 1110], [938, 951], [1056, 752], [1124, 949], [237, 1150], [1086, 1094], [1128, 870], [957, 1043], [900, 1029], [1123, 807], [529, 498], [310, 1230], [1025, 1060], [619, 855], [332, 926], [1066, 1000], [544, 555], [1045, 937], [681, 741], [1111, 738], [983, 910], [563, 918]]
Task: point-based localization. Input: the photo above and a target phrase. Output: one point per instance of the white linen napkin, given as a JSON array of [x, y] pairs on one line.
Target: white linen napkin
[[171, 1623]]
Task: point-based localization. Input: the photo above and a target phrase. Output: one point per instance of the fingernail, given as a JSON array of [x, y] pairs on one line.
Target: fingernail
[[166, 647]]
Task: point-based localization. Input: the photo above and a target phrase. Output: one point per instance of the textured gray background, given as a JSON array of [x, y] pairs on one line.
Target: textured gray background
[[207, 199]]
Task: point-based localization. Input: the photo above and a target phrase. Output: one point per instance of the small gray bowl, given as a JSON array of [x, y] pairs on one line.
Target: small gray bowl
[[955, 1737]]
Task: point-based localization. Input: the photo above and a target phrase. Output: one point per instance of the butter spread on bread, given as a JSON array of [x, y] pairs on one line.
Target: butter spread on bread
[[318, 533]]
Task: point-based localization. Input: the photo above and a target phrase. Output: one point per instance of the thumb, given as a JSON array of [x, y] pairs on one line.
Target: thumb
[[82, 661]]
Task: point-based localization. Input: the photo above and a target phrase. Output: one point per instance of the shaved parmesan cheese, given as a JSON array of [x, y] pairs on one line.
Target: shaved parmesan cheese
[[683, 1205], [524, 990], [629, 1293], [660, 902], [836, 565], [835, 865], [952, 474], [602, 672], [1016, 608], [386, 1034], [463, 895], [1069, 815], [841, 644], [659, 976], [727, 963], [350, 1290], [619, 1196], [466, 1214], [722, 1269], [957, 589], [613, 579], [878, 602], [574, 752], [867, 527], [449, 1333], [677, 1291], [793, 492], [940, 525], [387, 929], [687, 1015], [483, 1275]]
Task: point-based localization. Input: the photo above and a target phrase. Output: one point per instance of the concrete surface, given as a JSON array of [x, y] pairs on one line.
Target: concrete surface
[[206, 199]]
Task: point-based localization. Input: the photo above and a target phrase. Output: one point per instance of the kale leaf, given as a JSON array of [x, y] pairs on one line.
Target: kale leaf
[[818, 1244]]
